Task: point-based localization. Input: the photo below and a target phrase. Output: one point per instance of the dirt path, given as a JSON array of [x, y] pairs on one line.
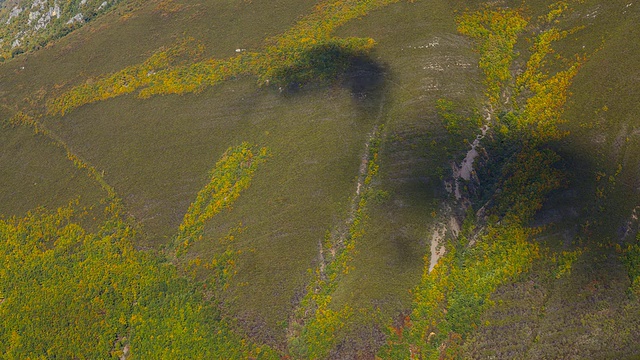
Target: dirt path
[[338, 236]]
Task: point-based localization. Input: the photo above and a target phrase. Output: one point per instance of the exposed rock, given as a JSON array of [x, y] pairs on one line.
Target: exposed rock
[[78, 18], [14, 13], [437, 245]]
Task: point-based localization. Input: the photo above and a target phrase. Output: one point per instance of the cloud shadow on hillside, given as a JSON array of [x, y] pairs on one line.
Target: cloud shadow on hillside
[[331, 65]]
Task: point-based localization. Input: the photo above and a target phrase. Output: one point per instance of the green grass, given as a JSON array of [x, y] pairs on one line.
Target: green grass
[[306, 53], [542, 317], [438, 324], [390, 260], [157, 152], [585, 314], [41, 174]]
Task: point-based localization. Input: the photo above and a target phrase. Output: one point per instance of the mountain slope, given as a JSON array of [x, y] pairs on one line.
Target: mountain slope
[[366, 111]]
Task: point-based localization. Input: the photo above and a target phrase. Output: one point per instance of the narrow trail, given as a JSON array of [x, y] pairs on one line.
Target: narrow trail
[[23, 119], [339, 235], [336, 238]]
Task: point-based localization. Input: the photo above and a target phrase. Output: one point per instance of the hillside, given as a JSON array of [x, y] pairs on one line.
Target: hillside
[[338, 179]]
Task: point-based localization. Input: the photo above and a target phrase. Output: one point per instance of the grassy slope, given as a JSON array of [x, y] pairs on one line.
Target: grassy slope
[[589, 312], [609, 81], [389, 259], [91, 52], [157, 152], [35, 173]]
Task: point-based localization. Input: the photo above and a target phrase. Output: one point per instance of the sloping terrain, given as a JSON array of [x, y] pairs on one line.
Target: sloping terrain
[[30, 25], [272, 179]]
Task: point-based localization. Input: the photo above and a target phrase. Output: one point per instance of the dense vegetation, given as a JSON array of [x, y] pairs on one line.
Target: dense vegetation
[[67, 292]]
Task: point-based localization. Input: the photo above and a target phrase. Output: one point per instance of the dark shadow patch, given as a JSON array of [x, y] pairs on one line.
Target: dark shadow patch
[[333, 64], [365, 78]]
